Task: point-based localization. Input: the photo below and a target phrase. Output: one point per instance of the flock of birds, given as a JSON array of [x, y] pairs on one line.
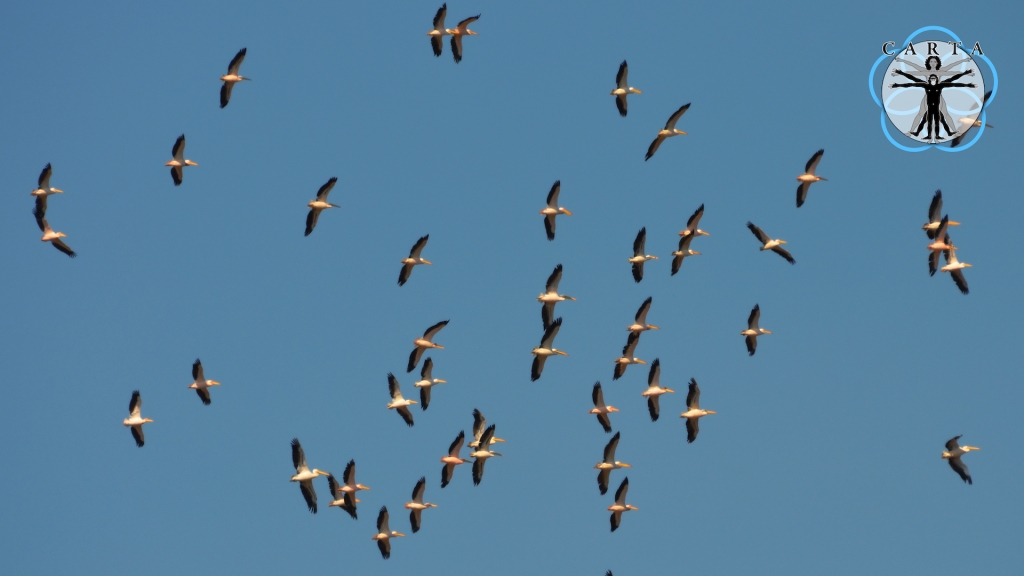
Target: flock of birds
[[480, 448]]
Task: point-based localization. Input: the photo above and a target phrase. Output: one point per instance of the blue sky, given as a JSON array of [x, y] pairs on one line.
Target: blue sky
[[824, 454]]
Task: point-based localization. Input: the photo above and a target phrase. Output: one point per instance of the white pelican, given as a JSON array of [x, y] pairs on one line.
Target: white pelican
[[546, 348], [482, 453], [667, 132], [232, 77], [639, 257], [968, 124], [423, 343], [753, 330], [319, 205], [623, 89], [953, 453], [49, 235], [426, 381], [935, 216], [414, 259], [608, 464], [601, 409], [808, 178], [397, 402], [550, 297], [304, 476], [479, 426], [452, 459], [200, 384], [384, 533], [692, 223], [439, 31], [955, 268], [683, 252], [349, 479], [939, 245], [179, 161], [43, 191], [640, 320], [457, 33], [553, 209], [135, 419], [654, 391], [344, 500], [620, 505], [693, 412], [769, 244], [417, 506], [627, 357]]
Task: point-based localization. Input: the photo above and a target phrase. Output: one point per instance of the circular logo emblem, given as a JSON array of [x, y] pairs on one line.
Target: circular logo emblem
[[933, 91]]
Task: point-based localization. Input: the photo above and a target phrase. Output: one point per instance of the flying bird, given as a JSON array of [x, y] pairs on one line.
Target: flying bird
[[550, 297], [623, 89], [955, 267], [232, 77], [453, 459], [384, 533], [319, 205], [608, 464], [304, 476], [417, 506], [200, 384], [414, 259], [667, 132], [349, 479], [692, 223], [553, 209], [753, 330], [654, 391], [43, 190], [423, 343], [620, 505], [639, 257], [135, 419], [457, 34], [439, 32], [482, 453], [426, 381], [953, 453], [628, 356], [808, 178], [640, 320], [683, 252], [693, 412], [769, 244], [49, 235], [601, 409], [179, 161], [971, 124], [397, 402], [479, 427], [343, 500], [546, 348], [935, 216], [939, 245]]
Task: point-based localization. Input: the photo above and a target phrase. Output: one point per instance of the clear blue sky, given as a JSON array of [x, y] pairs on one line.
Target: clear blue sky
[[824, 454]]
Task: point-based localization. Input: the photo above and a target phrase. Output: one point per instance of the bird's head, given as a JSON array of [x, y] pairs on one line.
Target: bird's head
[[126, 422]]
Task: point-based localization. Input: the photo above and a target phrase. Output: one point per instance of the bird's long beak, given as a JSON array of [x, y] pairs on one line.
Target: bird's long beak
[[438, 346], [947, 223], [428, 262], [361, 487], [62, 235], [413, 402], [669, 390], [624, 465], [639, 361], [653, 327], [695, 253], [148, 420], [635, 91], [498, 439], [783, 242], [972, 448], [680, 132], [567, 213], [398, 534], [191, 163], [55, 190], [561, 353], [568, 297], [213, 383], [652, 257], [767, 331], [439, 381], [967, 265], [712, 412], [822, 179], [612, 408]]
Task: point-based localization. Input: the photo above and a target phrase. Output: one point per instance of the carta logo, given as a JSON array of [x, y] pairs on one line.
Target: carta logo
[[933, 91]]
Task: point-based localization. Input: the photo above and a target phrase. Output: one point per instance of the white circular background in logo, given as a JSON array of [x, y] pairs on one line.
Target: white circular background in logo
[[953, 105]]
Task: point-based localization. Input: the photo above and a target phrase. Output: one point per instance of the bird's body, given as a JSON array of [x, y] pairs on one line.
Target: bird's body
[[348, 478], [808, 178], [628, 356], [601, 409], [417, 505], [479, 427], [319, 204], [608, 464], [414, 259], [49, 235], [640, 320], [940, 244], [304, 476], [768, 243], [342, 499], [955, 268], [550, 297], [638, 258], [692, 224], [667, 132], [438, 32], [178, 161], [421, 344], [684, 251], [481, 453], [654, 390], [546, 348], [43, 189], [953, 452], [453, 459], [553, 209], [935, 216], [384, 533], [232, 78], [693, 412], [623, 89], [620, 505], [200, 384], [426, 381], [753, 330], [457, 33], [135, 419], [398, 402]]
